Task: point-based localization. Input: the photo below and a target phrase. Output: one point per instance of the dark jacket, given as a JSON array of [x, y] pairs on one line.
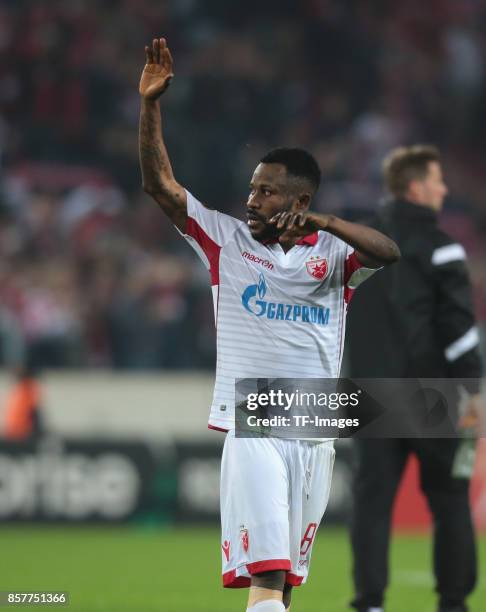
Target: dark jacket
[[415, 318]]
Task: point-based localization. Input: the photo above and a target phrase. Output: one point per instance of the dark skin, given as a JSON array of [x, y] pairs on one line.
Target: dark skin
[[157, 176], [277, 207], [274, 581], [278, 203]]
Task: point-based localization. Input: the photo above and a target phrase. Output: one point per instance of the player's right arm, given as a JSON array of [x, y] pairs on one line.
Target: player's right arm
[[157, 176]]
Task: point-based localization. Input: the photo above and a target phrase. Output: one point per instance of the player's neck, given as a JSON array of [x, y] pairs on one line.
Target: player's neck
[[287, 243]]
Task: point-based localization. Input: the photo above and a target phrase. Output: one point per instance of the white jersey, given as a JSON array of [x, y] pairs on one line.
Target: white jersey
[[278, 315]]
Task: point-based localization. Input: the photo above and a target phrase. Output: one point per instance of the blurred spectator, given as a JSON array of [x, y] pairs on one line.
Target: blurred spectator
[[91, 273], [23, 419]]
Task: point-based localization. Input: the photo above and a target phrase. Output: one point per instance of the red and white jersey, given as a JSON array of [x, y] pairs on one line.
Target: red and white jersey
[[278, 315]]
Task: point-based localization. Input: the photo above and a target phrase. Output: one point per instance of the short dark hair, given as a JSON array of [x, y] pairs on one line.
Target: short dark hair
[[298, 163], [406, 164]]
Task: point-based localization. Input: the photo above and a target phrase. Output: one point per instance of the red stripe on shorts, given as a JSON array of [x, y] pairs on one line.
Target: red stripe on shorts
[[293, 579], [232, 581]]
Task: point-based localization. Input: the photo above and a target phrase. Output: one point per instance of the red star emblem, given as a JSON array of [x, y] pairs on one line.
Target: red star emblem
[[317, 267]]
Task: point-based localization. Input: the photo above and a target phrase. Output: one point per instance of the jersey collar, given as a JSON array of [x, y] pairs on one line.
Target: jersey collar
[[309, 240]]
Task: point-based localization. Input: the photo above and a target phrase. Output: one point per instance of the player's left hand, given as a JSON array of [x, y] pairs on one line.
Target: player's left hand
[[301, 222], [296, 225]]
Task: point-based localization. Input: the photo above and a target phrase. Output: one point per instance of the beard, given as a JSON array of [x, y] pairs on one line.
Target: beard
[[263, 230]]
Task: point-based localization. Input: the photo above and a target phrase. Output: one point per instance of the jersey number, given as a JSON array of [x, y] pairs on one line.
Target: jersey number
[[308, 538]]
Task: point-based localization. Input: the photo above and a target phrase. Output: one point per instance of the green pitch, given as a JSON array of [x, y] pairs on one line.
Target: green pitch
[[155, 570]]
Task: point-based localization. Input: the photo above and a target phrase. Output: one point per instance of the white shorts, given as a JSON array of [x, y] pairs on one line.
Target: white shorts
[[273, 495]]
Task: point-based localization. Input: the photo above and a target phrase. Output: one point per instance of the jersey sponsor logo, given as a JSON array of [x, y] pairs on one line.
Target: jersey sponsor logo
[[317, 267], [226, 549], [279, 311], [264, 262]]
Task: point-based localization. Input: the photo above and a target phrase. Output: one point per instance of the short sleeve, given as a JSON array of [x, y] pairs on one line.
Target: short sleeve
[[355, 273], [207, 231]]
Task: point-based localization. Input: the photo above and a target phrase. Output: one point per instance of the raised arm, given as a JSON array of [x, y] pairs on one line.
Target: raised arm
[[373, 248], [157, 176]]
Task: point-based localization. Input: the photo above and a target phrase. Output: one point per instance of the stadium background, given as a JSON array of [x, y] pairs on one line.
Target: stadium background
[[99, 293]]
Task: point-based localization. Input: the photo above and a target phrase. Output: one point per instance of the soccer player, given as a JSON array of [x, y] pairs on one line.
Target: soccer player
[[281, 283], [420, 314]]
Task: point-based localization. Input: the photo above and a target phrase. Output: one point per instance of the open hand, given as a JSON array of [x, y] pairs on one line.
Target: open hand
[[157, 73]]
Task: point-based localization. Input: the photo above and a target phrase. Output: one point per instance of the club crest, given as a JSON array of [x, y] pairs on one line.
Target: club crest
[[244, 539], [317, 267]]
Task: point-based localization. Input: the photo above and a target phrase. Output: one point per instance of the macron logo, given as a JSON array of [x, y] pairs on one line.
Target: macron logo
[[264, 262]]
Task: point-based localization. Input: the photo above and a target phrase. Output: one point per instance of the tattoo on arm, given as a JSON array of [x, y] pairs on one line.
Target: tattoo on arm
[[158, 178]]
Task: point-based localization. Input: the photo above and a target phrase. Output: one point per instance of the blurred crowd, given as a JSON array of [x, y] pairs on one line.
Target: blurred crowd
[[91, 273]]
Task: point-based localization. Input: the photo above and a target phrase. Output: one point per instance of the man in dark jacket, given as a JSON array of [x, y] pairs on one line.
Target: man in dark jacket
[[418, 317]]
